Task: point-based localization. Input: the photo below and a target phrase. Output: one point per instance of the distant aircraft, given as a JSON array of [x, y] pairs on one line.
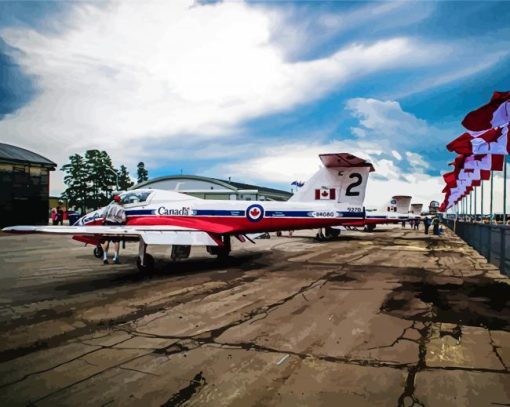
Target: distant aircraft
[[333, 196], [416, 211], [395, 211]]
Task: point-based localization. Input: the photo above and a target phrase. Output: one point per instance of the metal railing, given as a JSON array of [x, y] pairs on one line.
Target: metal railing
[[491, 241]]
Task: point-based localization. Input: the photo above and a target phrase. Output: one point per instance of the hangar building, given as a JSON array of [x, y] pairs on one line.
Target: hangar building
[[24, 186], [213, 188]]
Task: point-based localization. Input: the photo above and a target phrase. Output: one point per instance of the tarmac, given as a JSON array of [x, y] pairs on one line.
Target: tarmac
[[389, 318]]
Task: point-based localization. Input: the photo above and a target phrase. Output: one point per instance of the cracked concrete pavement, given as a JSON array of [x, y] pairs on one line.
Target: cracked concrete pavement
[[392, 317]]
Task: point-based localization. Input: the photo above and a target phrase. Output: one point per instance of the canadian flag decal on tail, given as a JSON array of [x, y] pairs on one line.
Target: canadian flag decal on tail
[[325, 193]]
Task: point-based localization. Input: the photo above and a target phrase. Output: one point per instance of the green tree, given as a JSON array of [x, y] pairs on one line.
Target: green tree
[[142, 173], [124, 179], [90, 180], [76, 181], [101, 177]]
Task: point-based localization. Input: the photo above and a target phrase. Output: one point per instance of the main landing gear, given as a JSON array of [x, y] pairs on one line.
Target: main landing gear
[[328, 234], [222, 252], [370, 227]]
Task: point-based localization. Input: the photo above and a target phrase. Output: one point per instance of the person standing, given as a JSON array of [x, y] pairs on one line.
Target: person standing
[[426, 224], [115, 215], [417, 224], [435, 225], [54, 216], [58, 216]]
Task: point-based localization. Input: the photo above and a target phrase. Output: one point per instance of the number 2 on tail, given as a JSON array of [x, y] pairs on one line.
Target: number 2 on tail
[[359, 180]]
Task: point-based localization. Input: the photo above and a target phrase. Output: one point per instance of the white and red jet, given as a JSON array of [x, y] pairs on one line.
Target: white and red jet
[[333, 196], [397, 210]]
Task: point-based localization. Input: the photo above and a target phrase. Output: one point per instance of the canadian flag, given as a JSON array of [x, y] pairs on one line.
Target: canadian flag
[[493, 114], [493, 141], [485, 162], [325, 193]]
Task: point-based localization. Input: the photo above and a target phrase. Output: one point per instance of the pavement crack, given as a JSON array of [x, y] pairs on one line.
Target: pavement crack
[[407, 398], [399, 338], [495, 350], [138, 371], [261, 311], [49, 368], [90, 377], [252, 346]]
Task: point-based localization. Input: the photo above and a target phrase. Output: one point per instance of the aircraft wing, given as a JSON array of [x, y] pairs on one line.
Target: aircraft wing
[[151, 234]]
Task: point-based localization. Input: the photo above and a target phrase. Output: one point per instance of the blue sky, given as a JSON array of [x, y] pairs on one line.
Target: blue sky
[[251, 90]]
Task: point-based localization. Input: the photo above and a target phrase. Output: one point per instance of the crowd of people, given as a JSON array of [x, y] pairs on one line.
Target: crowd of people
[[427, 222], [57, 214]]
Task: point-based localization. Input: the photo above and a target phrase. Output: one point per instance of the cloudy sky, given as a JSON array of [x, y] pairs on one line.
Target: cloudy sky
[[252, 91]]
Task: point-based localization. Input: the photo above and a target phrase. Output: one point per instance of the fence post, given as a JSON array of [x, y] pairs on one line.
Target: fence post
[[481, 209], [476, 214], [490, 243], [492, 196], [504, 190], [502, 256]]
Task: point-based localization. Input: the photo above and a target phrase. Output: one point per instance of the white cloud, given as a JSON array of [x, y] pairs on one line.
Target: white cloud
[[386, 129], [396, 154], [185, 71], [386, 121], [289, 162], [303, 28], [417, 161]]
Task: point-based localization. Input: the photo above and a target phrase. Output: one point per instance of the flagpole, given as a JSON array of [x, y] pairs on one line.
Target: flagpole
[[504, 190], [476, 214], [492, 196], [481, 208], [470, 206]]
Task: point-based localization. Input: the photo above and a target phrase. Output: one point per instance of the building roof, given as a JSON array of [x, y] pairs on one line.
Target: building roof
[[10, 153], [239, 185], [234, 186]]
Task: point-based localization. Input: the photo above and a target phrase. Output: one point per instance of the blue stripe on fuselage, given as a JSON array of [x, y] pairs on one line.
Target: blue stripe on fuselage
[[242, 213]]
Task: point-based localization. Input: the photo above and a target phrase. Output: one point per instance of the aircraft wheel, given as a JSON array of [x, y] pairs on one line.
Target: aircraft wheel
[[369, 228], [223, 254], [332, 233], [320, 237], [98, 251], [148, 265]]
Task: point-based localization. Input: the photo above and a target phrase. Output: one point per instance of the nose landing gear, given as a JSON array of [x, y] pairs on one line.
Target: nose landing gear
[[98, 251], [144, 261]]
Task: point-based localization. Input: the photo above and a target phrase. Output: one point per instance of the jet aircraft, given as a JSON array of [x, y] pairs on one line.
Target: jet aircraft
[[395, 211], [333, 196]]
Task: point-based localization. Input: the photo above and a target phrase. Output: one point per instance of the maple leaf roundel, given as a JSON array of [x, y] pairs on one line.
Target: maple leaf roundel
[[255, 213]]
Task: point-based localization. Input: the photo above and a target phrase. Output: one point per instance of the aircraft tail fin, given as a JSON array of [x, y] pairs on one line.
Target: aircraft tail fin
[[342, 179], [416, 208], [398, 204]]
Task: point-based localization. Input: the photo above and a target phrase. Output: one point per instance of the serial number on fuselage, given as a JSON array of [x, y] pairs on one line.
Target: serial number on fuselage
[[354, 209], [324, 214]]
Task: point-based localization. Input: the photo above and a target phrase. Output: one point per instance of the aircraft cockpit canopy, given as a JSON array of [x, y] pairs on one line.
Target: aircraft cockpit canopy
[[135, 197]]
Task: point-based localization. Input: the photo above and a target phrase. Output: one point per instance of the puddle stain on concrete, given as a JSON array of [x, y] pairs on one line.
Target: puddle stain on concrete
[[185, 394], [478, 302]]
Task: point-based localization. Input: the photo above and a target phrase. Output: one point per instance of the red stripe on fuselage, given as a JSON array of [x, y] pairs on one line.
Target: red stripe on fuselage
[[230, 224]]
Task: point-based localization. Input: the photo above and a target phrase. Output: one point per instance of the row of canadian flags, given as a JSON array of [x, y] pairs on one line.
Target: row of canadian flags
[[481, 149]]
